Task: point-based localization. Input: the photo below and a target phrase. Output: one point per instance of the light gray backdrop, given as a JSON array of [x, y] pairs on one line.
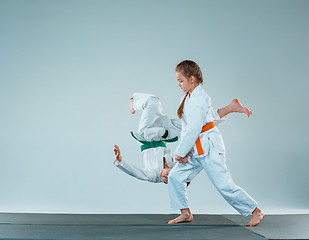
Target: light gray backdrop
[[68, 69]]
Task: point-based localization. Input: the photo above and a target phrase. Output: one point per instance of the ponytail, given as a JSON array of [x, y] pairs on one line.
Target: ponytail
[[180, 109]]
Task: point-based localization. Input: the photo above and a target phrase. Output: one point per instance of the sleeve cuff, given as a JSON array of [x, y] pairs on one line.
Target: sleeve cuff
[[117, 163]]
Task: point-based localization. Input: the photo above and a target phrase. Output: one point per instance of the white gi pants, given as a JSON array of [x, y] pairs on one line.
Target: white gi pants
[[214, 164], [151, 110]]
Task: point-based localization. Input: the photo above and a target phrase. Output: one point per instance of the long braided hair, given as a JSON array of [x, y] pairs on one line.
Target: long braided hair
[[188, 68]]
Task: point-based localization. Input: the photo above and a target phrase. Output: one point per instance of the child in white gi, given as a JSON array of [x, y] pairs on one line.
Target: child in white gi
[[201, 144], [156, 126]]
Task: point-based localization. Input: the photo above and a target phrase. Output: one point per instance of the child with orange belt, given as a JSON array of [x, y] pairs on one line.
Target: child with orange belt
[[202, 147]]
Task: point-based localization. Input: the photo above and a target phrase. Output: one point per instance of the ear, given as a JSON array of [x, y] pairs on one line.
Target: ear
[[192, 79]]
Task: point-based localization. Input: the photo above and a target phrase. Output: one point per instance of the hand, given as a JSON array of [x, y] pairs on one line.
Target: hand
[[117, 153], [181, 159], [132, 110], [164, 174]]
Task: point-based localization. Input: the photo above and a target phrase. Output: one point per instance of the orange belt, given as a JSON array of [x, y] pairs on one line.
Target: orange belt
[[198, 141]]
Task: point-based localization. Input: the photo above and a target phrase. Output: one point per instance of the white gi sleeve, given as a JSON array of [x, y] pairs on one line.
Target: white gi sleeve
[[217, 118], [142, 174], [195, 121]]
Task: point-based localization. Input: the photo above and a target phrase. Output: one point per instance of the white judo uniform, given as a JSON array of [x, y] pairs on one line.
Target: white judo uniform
[[153, 126], [197, 112]]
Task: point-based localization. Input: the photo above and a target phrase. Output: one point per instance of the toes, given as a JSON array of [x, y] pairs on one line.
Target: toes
[[173, 221], [180, 220], [247, 112], [252, 224]]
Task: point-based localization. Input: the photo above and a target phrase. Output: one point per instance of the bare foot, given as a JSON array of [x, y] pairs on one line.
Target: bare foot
[[182, 218], [237, 107], [257, 216], [132, 110]]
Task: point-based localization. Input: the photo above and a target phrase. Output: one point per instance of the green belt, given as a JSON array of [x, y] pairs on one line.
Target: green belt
[[153, 144]]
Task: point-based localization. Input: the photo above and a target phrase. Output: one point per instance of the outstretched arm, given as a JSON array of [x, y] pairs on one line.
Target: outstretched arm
[[132, 170]]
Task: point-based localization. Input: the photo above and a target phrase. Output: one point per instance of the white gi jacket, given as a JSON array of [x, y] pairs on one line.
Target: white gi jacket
[[153, 163], [198, 111]]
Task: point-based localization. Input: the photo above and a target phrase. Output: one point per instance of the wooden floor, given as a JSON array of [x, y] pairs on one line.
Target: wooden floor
[[148, 226]]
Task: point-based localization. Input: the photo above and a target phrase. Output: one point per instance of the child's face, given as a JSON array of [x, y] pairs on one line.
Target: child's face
[[164, 174], [185, 84]]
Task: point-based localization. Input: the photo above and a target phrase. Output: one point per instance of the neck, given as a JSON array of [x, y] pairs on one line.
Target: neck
[[193, 87]]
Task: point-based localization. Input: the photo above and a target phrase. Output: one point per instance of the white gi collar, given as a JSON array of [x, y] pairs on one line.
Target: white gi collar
[[196, 90]]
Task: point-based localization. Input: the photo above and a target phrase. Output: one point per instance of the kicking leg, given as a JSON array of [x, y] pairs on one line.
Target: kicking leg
[[234, 106], [131, 102], [151, 109]]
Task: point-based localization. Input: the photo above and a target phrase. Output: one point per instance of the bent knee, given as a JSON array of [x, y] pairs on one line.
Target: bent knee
[[173, 176], [228, 187], [153, 102]]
